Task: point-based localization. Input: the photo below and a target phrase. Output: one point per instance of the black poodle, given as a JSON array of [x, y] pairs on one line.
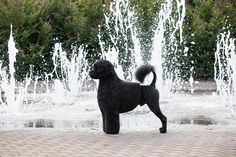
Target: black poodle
[[117, 96]]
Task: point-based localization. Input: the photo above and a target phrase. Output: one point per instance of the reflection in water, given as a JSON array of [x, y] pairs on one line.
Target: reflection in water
[[40, 123], [127, 122], [197, 120], [46, 123]]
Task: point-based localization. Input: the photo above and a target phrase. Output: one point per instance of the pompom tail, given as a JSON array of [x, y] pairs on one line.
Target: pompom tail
[[143, 71]]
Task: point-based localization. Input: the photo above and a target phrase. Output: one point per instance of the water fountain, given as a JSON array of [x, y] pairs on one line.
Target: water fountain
[[70, 74], [225, 69], [8, 83], [121, 23], [62, 104], [166, 43], [123, 49], [72, 71]]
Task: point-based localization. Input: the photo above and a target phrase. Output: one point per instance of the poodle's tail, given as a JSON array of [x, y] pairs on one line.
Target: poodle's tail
[[143, 71]]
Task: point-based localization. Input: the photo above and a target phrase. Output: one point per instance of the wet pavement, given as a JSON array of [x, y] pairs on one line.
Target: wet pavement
[[181, 140]]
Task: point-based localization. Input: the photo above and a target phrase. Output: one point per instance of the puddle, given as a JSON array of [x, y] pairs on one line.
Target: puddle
[[197, 120], [47, 123], [40, 123]]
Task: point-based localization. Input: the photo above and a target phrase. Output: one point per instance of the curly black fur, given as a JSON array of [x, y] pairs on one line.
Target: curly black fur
[[143, 71], [117, 96]]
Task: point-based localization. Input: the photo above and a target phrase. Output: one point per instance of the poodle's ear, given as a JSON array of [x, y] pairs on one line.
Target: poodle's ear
[[108, 70]]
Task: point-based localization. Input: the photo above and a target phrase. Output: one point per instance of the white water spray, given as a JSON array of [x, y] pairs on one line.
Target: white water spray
[[71, 73], [121, 25], [125, 49], [166, 48], [225, 69], [165, 52], [8, 83]]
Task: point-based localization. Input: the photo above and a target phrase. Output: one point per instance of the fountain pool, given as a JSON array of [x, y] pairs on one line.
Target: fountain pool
[[188, 110]]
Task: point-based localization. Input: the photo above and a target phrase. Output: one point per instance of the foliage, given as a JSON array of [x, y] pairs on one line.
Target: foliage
[[39, 24], [147, 12], [204, 21]]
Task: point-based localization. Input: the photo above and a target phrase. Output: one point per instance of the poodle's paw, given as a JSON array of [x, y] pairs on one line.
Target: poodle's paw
[[163, 130]]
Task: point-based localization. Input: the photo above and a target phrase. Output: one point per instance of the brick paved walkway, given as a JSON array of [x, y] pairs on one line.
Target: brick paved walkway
[[177, 142]]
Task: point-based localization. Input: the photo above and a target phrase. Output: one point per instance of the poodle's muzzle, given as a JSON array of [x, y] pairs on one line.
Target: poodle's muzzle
[[93, 74]]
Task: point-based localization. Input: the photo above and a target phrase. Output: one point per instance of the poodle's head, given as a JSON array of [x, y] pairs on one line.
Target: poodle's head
[[102, 69]]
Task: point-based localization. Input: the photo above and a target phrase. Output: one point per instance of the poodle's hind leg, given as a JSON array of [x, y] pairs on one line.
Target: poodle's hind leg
[[152, 99], [156, 110]]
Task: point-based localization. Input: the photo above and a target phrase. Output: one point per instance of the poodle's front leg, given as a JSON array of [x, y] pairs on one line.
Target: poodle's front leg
[[103, 120], [112, 122]]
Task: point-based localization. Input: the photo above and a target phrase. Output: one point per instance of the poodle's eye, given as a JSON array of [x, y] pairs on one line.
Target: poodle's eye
[[95, 66]]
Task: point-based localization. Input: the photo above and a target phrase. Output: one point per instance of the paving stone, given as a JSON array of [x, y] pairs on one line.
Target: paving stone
[[63, 143]]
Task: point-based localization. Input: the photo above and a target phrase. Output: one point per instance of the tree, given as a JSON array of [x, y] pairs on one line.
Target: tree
[[204, 21]]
